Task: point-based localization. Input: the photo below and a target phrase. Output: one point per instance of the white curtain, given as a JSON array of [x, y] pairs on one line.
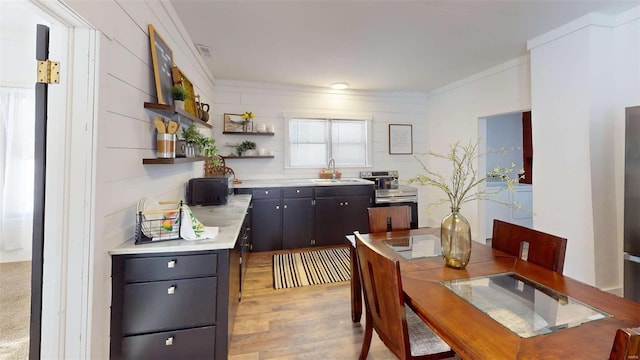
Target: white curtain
[[17, 118]]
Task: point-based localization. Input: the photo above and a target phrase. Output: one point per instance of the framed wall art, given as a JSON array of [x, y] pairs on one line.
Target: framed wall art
[[190, 102], [400, 139], [162, 59], [234, 123]]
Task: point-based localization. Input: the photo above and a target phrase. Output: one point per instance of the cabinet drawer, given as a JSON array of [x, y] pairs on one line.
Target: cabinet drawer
[[183, 344], [166, 305], [169, 267], [301, 192], [344, 190], [267, 193]]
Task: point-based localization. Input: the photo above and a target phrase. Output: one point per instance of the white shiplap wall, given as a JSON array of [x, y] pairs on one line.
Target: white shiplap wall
[[126, 134], [270, 101]]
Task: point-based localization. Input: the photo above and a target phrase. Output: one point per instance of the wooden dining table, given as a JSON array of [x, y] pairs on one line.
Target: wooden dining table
[[472, 333]]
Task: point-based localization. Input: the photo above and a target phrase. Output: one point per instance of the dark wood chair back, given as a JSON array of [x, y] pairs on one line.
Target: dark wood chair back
[[388, 218], [626, 344], [384, 300], [543, 249]]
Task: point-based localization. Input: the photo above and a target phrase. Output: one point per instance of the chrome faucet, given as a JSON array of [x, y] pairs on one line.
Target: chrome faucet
[[332, 167]]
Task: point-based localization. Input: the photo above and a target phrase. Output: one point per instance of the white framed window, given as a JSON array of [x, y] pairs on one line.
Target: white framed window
[[312, 140]]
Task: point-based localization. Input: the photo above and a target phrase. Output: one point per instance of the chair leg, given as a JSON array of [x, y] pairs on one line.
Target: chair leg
[[368, 333]]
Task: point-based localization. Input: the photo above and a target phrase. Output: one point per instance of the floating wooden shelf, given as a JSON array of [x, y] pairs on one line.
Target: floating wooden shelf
[[248, 133], [248, 157], [178, 160], [170, 111]]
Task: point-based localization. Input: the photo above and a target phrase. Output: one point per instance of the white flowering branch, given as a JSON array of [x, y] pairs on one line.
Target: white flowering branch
[[462, 186]]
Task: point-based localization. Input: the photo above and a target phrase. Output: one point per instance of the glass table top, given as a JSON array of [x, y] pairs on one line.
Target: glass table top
[[523, 306], [417, 246]]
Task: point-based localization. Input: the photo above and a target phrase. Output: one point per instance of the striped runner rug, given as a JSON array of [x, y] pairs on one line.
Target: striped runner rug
[[311, 268]]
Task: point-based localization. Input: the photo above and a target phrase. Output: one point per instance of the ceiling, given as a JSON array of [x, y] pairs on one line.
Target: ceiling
[[372, 45]]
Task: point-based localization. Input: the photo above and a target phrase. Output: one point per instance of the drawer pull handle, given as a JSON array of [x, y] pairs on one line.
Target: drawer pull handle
[[171, 290], [171, 264], [298, 191], [169, 341]]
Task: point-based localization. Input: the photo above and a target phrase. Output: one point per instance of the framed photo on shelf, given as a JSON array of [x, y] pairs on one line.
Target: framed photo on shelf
[[162, 59], [234, 123], [400, 139]]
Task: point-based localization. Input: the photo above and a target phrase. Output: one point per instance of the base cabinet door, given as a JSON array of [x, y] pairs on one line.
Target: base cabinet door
[[356, 215], [297, 221], [266, 227], [328, 221]]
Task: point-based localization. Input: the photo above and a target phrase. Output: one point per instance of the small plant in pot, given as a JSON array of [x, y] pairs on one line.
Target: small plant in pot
[[201, 145], [244, 146], [179, 94], [207, 146], [192, 137]]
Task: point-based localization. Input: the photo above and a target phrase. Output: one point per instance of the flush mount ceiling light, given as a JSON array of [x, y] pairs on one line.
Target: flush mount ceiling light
[[339, 86]]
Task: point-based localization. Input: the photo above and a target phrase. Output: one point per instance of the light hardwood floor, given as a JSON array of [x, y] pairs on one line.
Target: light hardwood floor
[[311, 322]]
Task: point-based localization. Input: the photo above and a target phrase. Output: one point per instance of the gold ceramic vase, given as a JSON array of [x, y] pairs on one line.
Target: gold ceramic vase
[[455, 239]]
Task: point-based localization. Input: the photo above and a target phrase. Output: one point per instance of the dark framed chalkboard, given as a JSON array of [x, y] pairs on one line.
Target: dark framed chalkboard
[[162, 58]]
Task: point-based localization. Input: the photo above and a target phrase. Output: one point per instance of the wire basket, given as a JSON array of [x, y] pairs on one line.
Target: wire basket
[[158, 225]]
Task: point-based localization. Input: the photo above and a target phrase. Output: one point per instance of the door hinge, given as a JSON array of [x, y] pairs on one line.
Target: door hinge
[[48, 72]]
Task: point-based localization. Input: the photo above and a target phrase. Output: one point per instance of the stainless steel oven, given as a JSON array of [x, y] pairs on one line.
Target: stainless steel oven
[[389, 193]]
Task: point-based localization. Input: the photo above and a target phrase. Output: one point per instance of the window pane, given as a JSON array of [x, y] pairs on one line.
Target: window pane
[[308, 142], [307, 131], [351, 155], [311, 144], [348, 141], [348, 131], [308, 155]]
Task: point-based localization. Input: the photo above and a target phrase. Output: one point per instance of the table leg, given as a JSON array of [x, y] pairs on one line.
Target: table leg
[[356, 287]]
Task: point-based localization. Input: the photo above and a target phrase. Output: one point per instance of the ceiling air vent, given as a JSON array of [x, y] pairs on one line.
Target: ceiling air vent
[[204, 50]]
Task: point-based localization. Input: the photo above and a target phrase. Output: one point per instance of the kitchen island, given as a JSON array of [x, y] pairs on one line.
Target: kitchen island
[[177, 299]]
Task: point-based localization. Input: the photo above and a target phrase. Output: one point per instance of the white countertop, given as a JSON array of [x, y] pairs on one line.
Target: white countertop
[[499, 183], [228, 218], [250, 184]]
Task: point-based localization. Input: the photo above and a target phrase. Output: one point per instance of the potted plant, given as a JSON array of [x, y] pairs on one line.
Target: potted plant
[[244, 146], [190, 134], [179, 94], [196, 142], [461, 187], [207, 146]]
